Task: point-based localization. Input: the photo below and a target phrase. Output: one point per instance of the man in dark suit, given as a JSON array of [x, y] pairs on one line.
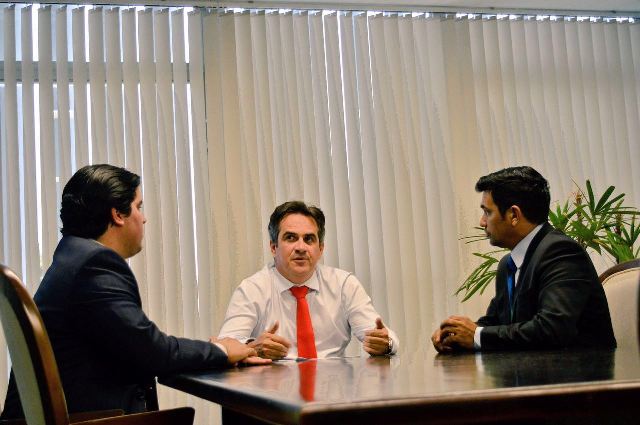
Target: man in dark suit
[[105, 346], [547, 290]]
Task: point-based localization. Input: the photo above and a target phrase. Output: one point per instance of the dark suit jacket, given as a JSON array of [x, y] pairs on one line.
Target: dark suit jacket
[[559, 301], [104, 344]]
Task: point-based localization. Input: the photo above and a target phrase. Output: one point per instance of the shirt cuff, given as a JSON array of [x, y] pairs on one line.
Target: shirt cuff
[[222, 347], [241, 338], [476, 338]]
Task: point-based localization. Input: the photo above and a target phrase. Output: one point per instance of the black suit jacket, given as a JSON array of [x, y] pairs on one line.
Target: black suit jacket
[[105, 346], [559, 301]]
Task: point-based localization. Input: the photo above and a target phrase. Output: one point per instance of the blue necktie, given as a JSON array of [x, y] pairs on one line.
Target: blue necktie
[[511, 278]]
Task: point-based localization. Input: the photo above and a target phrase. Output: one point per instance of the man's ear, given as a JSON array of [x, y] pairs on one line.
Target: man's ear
[[516, 215], [117, 218], [321, 247], [273, 247]]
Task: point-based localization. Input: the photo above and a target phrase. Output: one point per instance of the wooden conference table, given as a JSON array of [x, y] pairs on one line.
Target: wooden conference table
[[552, 387]]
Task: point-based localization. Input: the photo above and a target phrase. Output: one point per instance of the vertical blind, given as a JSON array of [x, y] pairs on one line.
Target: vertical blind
[[384, 120]]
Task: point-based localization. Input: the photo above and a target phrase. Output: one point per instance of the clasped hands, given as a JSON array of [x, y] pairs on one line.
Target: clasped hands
[[454, 333], [270, 345]]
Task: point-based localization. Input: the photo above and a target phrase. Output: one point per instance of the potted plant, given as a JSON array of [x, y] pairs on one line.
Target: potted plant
[[601, 224]]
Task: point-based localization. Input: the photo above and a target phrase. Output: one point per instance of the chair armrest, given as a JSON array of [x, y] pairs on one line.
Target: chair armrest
[[74, 417], [13, 422], [179, 416], [85, 416]]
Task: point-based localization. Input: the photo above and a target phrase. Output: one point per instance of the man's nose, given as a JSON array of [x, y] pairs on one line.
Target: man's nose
[[483, 221]]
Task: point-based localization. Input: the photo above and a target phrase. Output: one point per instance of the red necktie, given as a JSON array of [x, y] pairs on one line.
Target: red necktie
[[307, 379], [306, 340]]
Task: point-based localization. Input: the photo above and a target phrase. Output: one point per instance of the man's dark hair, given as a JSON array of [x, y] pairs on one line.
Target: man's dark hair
[[90, 194], [521, 186], [295, 207]]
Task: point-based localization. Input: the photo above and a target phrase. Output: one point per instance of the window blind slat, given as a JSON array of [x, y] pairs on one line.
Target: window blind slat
[[97, 91], [12, 139], [80, 93], [30, 155], [166, 166], [216, 55], [183, 176], [340, 206], [63, 127], [150, 175], [49, 149], [113, 71], [202, 208]]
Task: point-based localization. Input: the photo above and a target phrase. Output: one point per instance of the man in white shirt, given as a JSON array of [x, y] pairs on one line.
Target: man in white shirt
[[547, 290], [265, 314]]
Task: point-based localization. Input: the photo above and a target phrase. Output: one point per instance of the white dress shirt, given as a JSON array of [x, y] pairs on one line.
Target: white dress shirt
[[338, 305], [517, 255]]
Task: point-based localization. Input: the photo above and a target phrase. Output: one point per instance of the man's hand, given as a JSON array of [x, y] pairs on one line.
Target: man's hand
[[254, 360], [376, 341], [271, 346], [457, 332], [238, 352], [436, 339]]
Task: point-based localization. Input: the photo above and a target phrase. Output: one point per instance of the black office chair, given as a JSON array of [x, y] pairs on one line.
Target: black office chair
[[36, 370]]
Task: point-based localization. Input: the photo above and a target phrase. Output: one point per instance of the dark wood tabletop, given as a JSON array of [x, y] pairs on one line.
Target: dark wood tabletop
[[568, 386]]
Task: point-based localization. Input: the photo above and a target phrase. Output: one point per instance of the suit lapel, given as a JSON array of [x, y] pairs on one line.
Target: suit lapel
[[546, 228], [544, 231]]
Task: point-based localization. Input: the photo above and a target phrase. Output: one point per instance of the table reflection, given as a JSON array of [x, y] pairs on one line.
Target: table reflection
[[505, 369], [307, 379], [420, 374], [551, 368]]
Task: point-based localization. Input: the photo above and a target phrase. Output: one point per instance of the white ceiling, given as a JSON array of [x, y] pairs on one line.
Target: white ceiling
[[605, 7], [612, 6]]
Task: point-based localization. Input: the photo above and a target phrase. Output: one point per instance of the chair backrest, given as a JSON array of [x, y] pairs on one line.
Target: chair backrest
[[34, 365], [621, 285]]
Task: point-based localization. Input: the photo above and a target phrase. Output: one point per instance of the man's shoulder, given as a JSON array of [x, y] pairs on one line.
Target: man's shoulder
[[83, 251], [73, 260], [75, 257], [80, 247], [557, 248], [557, 239], [335, 276]]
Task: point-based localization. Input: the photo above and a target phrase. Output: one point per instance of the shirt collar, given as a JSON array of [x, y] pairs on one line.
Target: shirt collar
[[520, 249], [284, 284]]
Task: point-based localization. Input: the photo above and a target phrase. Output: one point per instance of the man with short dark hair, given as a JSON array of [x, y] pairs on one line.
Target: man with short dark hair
[[295, 307], [547, 290], [105, 346]]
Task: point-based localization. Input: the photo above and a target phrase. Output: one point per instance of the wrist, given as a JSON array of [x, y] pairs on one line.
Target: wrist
[[222, 347]]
